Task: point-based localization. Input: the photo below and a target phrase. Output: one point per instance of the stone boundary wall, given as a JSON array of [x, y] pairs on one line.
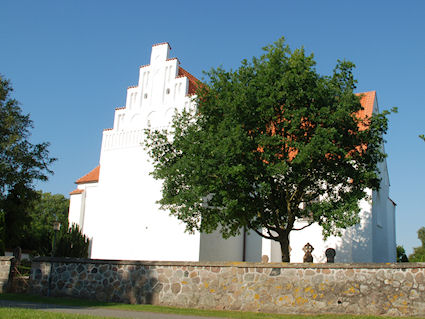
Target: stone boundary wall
[[19, 285], [6, 264], [390, 289]]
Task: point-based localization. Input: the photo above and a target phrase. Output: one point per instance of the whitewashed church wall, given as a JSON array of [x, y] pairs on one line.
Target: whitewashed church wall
[[384, 245], [359, 237], [392, 241], [75, 209], [214, 248], [140, 229], [121, 139], [90, 219], [253, 243]]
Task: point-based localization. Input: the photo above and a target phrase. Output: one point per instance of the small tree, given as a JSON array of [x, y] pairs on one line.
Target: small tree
[[419, 252], [401, 255], [72, 243], [267, 144]]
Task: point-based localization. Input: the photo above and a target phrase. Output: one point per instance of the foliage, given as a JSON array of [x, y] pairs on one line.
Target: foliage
[[38, 234], [43, 211], [267, 144], [24, 267], [401, 255], [21, 164], [419, 252], [72, 243], [422, 136]]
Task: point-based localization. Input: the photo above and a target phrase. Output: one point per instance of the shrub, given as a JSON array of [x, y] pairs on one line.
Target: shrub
[[72, 243]]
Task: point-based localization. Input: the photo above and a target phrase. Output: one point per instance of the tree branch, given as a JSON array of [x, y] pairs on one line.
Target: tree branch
[[265, 236], [309, 224]]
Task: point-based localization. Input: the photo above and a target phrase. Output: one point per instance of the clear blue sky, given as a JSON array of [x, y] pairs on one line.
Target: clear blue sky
[[70, 63]]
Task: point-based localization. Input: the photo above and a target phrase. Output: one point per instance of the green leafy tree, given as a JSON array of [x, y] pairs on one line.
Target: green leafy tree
[[43, 211], [422, 137], [21, 163], [401, 255], [16, 207], [419, 252], [267, 144]]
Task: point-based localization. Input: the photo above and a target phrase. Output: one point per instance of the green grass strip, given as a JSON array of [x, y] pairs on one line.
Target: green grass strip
[[74, 302], [19, 313]]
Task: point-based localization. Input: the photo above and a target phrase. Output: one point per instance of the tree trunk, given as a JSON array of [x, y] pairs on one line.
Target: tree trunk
[[284, 246]]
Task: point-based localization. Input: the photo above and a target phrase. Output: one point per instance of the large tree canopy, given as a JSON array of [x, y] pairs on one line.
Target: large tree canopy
[[267, 144], [21, 163]]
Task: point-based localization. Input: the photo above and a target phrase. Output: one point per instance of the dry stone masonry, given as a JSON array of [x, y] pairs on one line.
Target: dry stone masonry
[[6, 265], [391, 289]]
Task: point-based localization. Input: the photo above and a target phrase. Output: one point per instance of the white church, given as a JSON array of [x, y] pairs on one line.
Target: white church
[[115, 204]]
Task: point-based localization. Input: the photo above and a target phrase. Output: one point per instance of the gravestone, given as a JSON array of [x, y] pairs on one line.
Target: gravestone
[[330, 255], [308, 258]]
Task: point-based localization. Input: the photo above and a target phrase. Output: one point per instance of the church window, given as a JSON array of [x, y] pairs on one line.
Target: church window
[[167, 91], [145, 96]]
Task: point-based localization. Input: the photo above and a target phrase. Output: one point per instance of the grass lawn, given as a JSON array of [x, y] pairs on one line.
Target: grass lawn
[[17, 313], [25, 313]]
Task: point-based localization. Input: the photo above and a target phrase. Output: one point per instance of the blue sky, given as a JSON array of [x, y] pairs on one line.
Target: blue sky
[[70, 63]]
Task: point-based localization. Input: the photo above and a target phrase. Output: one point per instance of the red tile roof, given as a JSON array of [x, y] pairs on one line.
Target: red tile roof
[[77, 191], [193, 82], [91, 177], [367, 100]]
